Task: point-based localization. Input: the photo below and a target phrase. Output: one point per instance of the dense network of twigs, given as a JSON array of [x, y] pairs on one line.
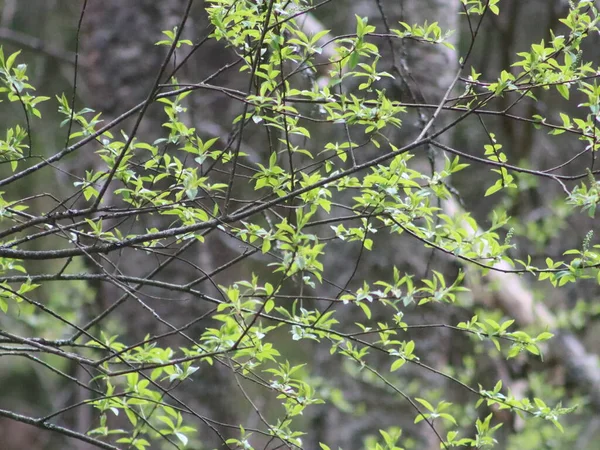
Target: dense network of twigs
[[233, 231]]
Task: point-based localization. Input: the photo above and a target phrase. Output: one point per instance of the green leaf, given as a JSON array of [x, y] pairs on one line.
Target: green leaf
[[365, 309], [563, 90], [269, 305], [397, 364]]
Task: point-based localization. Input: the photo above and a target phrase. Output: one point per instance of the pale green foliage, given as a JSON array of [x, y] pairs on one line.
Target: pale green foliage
[[389, 194]]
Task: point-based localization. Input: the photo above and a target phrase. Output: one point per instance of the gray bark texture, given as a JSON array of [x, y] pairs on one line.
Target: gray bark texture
[[423, 73], [120, 63]]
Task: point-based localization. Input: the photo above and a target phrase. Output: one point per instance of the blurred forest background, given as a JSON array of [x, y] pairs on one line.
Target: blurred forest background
[[118, 61]]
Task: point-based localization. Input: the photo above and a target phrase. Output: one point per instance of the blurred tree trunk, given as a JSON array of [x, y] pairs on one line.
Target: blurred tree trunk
[[120, 63], [422, 73]]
